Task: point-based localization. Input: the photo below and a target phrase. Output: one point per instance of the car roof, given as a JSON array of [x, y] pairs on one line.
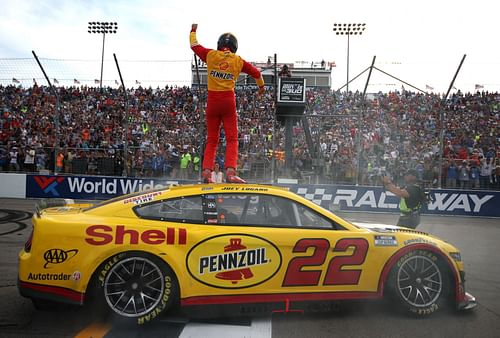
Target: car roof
[[191, 189]]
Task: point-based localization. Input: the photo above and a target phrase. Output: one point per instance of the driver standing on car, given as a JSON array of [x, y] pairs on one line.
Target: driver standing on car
[[411, 199], [223, 68]]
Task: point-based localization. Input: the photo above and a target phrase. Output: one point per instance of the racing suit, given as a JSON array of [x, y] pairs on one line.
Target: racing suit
[[223, 69]]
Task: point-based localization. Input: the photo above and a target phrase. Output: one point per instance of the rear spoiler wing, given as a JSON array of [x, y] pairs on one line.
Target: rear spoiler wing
[[51, 203]]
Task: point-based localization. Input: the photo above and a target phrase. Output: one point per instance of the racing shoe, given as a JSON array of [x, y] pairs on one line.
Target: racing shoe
[[231, 176], [207, 176]]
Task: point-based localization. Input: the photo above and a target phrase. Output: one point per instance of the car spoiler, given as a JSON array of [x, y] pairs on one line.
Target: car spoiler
[[51, 203]]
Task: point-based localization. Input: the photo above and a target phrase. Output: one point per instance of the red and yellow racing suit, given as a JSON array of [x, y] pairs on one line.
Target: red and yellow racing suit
[[223, 69]]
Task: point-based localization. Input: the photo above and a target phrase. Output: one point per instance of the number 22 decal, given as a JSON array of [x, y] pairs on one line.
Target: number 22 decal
[[295, 276]]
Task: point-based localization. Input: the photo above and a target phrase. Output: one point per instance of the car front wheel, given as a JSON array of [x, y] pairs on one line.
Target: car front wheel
[[419, 283]]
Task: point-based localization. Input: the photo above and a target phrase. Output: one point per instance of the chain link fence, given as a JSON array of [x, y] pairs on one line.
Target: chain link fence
[[161, 122]]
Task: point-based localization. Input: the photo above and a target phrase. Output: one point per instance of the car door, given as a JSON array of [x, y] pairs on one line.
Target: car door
[[318, 254], [292, 247]]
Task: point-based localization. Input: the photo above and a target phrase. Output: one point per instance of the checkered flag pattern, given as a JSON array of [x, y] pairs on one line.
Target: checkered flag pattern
[[317, 196]]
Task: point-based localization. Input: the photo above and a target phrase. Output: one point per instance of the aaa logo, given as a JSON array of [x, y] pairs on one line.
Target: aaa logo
[[58, 256]]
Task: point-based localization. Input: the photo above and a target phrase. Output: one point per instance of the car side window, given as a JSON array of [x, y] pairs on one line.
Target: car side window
[[183, 209], [262, 210], [224, 208], [240, 209], [283, 212], [235, 209], [311, 219], [279, 211]]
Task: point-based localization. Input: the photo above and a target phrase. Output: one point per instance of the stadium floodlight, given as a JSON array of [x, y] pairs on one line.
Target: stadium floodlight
[[97, 27], [348, 29]]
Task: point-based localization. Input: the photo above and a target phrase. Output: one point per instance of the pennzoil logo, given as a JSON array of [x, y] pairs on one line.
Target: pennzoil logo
[[57, 256], [233, 261], [221, 75]]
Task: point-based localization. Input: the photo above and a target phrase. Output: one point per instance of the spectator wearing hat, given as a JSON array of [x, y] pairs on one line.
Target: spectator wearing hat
[[13, 163], [29, 160], [60, 162], [451, 175], [185, 164], [474, 175], [485, 171], [463, 175], [412, 198]]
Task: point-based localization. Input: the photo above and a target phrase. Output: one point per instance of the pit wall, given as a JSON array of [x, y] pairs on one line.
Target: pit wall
[[476, 203]]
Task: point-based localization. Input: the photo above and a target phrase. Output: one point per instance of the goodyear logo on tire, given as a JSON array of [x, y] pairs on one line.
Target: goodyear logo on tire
[[233, 261]]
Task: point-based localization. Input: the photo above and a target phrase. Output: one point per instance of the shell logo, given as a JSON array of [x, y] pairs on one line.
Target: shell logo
[[224, 65], [233, 261]]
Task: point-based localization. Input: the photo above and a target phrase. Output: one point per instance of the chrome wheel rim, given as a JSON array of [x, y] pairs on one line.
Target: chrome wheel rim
[[134, 286], [419, 281]]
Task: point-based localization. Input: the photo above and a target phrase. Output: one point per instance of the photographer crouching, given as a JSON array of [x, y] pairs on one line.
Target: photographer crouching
[[412, 198]]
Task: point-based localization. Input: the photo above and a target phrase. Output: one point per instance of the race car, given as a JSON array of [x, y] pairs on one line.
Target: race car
[[243, 247]]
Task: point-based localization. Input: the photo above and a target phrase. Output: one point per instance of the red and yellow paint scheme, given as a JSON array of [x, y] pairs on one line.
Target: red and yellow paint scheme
[[226, 244]]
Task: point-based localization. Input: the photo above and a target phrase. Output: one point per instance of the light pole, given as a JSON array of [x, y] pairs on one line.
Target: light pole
[[102, 28], [348, 29]]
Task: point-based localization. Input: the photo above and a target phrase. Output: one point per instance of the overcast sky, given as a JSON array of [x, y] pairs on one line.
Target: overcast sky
[[421, 42]]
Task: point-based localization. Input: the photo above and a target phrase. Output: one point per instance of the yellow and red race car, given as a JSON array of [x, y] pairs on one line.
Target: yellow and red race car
[[248, 247]]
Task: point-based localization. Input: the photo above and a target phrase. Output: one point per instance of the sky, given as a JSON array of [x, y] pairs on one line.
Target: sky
[[420, 42]]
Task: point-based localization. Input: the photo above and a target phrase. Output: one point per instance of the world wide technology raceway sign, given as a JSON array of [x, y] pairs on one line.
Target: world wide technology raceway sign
[[372, 199], [444, 202], [88, 187]]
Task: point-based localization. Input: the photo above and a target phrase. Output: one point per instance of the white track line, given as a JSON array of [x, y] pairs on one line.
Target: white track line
[[260, 328]]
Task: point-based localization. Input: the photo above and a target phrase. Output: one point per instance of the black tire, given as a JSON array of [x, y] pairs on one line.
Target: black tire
[[135, 286], [419, 283]]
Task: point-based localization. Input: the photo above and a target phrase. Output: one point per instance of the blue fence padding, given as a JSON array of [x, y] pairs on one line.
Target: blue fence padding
[[344, 198]]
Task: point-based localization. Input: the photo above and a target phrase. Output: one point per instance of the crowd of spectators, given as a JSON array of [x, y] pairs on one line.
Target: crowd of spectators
[[399, 130]]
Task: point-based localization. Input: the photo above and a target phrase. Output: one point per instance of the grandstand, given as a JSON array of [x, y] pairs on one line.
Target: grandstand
[[399, 129]]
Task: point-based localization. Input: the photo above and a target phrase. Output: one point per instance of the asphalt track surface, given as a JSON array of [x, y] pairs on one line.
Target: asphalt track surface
[[477, 238]]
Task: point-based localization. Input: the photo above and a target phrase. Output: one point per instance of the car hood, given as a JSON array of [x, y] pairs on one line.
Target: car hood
[[377, 227], [407, 234]]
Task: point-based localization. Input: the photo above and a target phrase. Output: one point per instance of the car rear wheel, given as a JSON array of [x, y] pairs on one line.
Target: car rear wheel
[[137, 286], [419, 283]]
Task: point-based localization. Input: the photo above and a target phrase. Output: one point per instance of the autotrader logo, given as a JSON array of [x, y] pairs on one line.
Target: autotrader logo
[[49, 184]]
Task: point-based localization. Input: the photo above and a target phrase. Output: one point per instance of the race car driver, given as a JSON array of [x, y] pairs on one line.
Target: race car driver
[[223, 69]]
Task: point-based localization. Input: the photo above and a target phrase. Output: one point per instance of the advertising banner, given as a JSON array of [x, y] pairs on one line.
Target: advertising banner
[[332, 197], [376, 199], [88, 187]]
